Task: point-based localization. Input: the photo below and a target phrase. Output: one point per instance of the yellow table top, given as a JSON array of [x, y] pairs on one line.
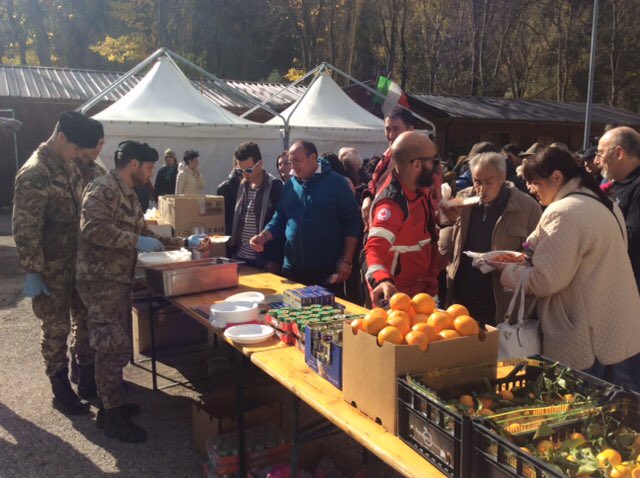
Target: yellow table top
[[287, 366], [250, 280]]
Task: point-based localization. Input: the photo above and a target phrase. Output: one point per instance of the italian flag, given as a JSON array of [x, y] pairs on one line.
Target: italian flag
[[389, 95]]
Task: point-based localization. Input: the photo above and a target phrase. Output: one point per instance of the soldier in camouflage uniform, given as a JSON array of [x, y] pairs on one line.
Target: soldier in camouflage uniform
[[81, 361], [46, 213], [112, 229]]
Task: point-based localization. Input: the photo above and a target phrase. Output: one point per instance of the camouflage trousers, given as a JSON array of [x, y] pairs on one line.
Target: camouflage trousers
[[109, 307], [53, 311], [79, 346]]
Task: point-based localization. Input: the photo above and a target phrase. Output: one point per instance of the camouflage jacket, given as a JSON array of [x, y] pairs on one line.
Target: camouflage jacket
[[46, 213], [89, 172], [110, 223]]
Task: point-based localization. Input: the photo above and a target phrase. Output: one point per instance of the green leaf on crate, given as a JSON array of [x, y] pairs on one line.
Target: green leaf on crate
[[543, 431], [587, 468], [569, 445], [594, 430]]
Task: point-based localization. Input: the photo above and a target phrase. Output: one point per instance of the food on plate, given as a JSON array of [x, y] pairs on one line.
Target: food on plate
[[507, 258], [461, 202]]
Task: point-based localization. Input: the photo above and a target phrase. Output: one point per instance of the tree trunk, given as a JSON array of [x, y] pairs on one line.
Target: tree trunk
[[475, 47], [404, 65], [17, 34], [353, 35], [42, 39]]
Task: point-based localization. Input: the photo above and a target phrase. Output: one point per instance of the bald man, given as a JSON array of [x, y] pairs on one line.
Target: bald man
[[401, 250], [618, 155]]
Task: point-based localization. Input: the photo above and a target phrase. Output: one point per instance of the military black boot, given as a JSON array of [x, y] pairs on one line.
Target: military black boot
[[119, 426], [87, 381], [73, 371], [129, 409], [64, 398]]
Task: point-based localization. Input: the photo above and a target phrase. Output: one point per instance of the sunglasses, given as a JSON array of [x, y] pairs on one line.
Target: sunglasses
[[248, 170]]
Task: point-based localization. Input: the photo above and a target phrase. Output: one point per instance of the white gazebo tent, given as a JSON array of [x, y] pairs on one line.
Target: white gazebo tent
[[327, 116], [165, 110]]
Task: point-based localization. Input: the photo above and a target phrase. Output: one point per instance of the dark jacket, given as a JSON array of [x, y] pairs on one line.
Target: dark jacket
[[267, 199], [627, 194], [315, 217], [165, 181], [229, 190]]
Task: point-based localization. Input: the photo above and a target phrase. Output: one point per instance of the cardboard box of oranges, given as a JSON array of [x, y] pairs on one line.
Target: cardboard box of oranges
[[411, 337]]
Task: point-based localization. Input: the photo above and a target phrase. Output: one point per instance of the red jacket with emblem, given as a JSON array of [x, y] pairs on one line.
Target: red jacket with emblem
[[402, 244]]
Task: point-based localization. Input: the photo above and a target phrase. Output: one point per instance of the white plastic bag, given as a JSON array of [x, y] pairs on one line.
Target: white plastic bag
[[521, 339], [165, 257]]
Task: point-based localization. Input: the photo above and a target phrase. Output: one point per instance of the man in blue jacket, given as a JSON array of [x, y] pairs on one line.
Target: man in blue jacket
[[319, 219]]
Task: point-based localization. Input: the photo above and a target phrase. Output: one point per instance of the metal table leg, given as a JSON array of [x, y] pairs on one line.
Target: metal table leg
[[242, 456], [152, 334]]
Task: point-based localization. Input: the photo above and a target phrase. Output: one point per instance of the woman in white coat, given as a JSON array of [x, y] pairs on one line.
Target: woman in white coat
[[190, 180], [588, 303]]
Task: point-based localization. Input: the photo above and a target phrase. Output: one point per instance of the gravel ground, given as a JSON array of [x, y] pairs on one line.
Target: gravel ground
[[38, 441]]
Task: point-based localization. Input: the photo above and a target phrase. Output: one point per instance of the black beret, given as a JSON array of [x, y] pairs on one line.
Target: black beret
[[79, 129], [140, 151]]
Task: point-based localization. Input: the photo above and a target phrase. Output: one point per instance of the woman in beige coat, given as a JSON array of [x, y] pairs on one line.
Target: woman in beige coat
[[588, 303], [190, 179]]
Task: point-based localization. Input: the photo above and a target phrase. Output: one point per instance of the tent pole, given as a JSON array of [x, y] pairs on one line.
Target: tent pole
[[83, 108], [366, 87], [275, 95], [223, 84]]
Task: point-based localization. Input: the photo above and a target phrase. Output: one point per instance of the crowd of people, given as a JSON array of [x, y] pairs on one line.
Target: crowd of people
[[363, 228]]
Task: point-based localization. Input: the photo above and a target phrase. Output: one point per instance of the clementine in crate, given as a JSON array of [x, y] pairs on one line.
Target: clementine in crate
[[374, 321], [357, 324], [448, 334], [390, 334], [419, 319], [456, 310], [417, 338], [423, 303], [440, 321], [400, 320], [400, 301], [465, 325], [427, 330]]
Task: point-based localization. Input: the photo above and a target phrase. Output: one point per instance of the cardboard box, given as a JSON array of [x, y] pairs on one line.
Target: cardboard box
[[369, 371], [161, 230], [183, 213], [215, 414], [173, 328]]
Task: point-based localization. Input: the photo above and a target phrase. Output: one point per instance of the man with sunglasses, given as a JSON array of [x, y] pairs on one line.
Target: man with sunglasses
[[401, 249], [256, 201]]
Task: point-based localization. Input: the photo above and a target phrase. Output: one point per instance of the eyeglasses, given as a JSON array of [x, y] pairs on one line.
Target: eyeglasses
[[435, 160], [248, 170], [602, 154]]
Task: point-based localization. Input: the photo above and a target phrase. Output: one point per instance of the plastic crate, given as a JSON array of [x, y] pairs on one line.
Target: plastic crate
[[442, 433], [497, 456]]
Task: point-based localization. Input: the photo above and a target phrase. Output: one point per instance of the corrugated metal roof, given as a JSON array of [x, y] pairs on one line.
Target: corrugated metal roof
[[475, 107], [75, 84]]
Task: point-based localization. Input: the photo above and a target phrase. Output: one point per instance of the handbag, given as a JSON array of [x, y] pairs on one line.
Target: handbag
[[521, 339]]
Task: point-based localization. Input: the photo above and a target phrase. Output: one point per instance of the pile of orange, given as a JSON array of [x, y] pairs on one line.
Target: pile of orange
[[416, 321]]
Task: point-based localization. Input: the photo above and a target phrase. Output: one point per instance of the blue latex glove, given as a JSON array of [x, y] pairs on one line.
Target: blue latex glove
[[149, 244], [196, 239], [34, 285]]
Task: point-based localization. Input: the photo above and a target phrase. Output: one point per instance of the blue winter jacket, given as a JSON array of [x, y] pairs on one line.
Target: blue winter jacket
[[315, 217]]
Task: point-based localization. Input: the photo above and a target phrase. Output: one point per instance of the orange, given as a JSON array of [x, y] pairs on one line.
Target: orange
[[440, 321], [544, 446], [467, 401], [390, 334], [448, 334], [400, 320], [419, 319], [423, 303], [620, 471], [411, 313], [374, 321], [456, 310], [506, 394], [357, 324], [635, 473], [577, 436], [427, 330], [525, 450], [419, 339], [485, 412], [487, 402], [465, 325], [609, 456], [400, 301]]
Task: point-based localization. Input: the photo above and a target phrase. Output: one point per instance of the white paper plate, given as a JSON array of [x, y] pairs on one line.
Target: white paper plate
[[249, 333], [489, 257], [224, 313], [251, 296]]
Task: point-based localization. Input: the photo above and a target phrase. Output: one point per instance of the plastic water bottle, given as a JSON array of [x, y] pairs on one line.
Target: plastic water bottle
[[202, 204]]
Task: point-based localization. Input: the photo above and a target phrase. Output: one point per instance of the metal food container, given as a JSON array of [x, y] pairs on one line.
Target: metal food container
[[191, 277]]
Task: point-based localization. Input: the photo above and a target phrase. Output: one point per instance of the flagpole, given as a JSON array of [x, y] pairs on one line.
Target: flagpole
[[592, 61]]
